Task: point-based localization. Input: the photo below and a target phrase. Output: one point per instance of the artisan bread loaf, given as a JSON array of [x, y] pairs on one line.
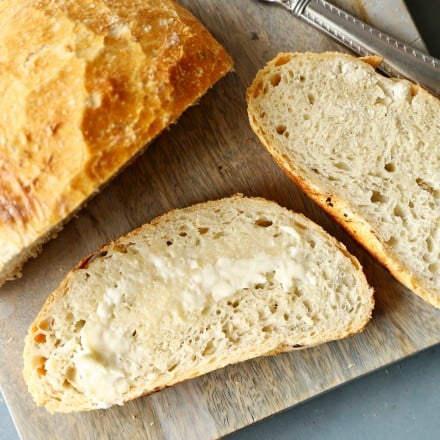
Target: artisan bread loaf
[[366, 148], [84, 86], [195, 290]]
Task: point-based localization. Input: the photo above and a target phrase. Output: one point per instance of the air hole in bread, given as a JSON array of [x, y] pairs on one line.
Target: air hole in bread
[[342, 166], [429, 244], [275, 79], [209, 349], [40, 338], [218, 235], [46, 324], [120, 247], [183, 234], [390, 167], [307, 306], [399, 211], [428, 187], [377, 197], [380, 101], [282, 59], [311, 98], [67, 384], [79, 325], [392, 241], [234, 304], [291, 74], [281, 128], [70, 373], [414, 90], [421, 183], [302, 78], [172, 366], [286, 317], [39, 364], [300, 225], [263, 222], [203, 231], [273, 307], [169, 242], [69, 318], [306, 117], [41, 371], [434, 268], [257, 89]]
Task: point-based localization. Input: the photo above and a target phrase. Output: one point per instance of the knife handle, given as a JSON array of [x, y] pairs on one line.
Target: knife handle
[[399, 59]]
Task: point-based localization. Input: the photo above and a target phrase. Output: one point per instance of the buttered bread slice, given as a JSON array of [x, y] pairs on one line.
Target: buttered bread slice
[[197, 289], [366, 148]]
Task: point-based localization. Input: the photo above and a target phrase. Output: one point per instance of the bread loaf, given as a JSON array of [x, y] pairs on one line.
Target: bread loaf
[[366, 148], [195, 290], [84, 86]]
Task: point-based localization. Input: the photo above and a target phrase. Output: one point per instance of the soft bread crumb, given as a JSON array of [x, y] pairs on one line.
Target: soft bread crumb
[[364, 147]]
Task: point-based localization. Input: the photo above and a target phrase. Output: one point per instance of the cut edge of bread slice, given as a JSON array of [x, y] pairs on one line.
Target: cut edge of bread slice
[[317, 180]]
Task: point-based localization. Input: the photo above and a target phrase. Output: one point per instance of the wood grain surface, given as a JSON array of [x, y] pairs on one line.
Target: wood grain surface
[[210, 153]]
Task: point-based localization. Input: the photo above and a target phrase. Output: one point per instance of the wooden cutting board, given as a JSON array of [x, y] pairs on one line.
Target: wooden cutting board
[[212, 153]]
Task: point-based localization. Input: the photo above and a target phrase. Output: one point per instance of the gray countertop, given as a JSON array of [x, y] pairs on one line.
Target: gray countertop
[[400, 401]]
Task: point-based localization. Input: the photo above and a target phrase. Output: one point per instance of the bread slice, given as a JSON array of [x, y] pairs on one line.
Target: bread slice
[[84, 86], [366, 148], [195, 290]]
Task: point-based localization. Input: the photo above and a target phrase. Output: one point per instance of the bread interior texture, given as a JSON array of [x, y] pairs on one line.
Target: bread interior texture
[[197, 289], [364, 147]]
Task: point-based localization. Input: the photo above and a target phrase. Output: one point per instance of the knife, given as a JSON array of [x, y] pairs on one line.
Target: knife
[[398, 58]]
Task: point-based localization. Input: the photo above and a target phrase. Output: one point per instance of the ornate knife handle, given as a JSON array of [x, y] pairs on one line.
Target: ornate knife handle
[[399, 59]]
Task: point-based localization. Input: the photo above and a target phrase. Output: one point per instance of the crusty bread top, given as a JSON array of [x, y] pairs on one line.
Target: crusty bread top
[[195, 290], [364, 147], [84, 85]]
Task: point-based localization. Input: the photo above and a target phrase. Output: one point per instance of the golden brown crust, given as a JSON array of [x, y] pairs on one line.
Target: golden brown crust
[[372, 60], [333, 205], [88, 87]]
